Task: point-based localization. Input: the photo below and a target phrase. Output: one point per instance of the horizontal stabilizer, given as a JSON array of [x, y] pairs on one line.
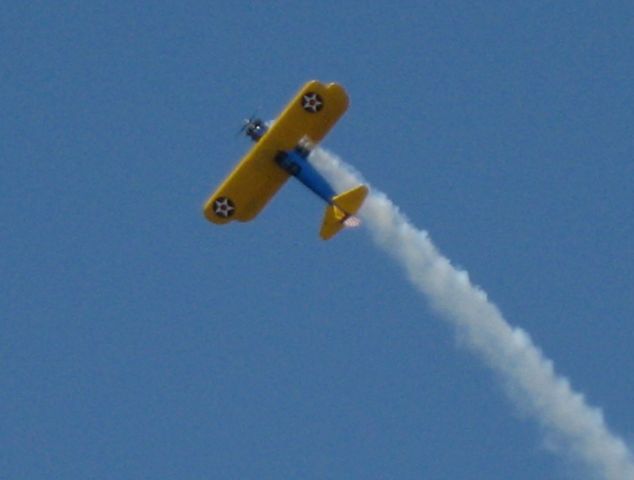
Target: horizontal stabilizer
[[351, 200], [340, 212]]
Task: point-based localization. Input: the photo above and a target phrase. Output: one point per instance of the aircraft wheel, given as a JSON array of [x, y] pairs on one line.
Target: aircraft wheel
[[303, 151]]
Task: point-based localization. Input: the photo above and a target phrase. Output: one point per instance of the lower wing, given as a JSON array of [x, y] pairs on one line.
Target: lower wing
[[257, 178]]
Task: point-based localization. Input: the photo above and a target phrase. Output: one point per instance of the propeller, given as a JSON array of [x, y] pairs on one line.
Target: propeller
[[245, 123]]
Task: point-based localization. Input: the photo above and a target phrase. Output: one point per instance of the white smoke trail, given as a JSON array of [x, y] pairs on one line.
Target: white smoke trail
[[530, 377]]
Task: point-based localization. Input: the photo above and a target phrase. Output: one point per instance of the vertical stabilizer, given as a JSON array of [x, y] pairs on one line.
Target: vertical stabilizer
[[341, 210]]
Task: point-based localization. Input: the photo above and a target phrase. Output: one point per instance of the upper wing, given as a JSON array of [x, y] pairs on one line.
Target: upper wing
[[249, 187]]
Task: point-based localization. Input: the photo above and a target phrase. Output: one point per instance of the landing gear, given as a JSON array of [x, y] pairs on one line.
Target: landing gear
[[287, 164], [303, 151], [304, 147]]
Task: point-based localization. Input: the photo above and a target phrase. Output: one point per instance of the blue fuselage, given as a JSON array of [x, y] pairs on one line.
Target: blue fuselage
[[296, 163]]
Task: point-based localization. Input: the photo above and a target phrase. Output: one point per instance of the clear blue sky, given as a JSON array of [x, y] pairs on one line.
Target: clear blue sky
[[140, 341]]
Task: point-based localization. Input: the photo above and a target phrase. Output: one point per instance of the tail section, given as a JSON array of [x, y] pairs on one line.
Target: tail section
[[351, 200], [333, 222], [340, 212]]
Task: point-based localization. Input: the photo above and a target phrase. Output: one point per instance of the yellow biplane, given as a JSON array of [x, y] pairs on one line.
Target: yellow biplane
[[282, 151]]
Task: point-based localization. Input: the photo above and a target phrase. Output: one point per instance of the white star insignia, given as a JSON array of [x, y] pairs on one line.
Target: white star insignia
[[223, 207], [312, 102]]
